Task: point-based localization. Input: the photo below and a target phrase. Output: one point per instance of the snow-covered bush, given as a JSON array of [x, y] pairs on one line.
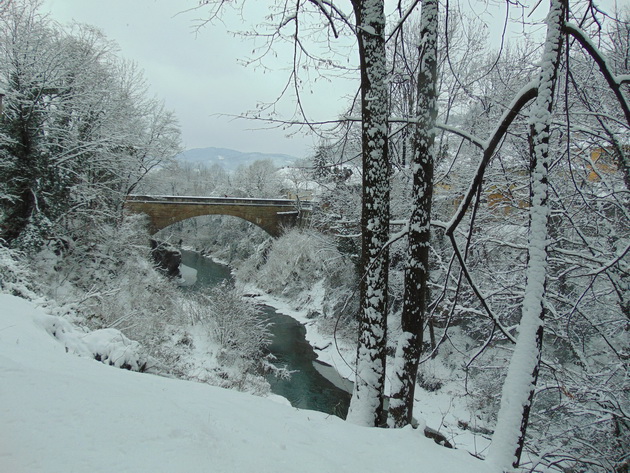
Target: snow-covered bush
[[222, 341], [15, 278], [109, 280], [130, 315], [193, 354], [306, 267], [233, 321], [108, 346]]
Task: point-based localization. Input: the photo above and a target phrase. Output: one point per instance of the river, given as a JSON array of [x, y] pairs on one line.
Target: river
[[307, 388]]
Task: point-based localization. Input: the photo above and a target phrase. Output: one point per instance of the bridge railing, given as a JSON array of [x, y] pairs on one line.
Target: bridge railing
[[244, 201]]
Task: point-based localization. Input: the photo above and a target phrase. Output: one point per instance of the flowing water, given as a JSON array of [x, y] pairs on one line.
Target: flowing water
[[307, 388]]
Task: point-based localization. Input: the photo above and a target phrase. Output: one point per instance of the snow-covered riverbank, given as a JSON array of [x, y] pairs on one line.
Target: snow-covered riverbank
[[445, 408], [60, 412], [340, 354]]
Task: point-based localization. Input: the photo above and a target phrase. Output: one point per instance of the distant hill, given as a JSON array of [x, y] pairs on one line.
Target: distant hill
[[231, 159]]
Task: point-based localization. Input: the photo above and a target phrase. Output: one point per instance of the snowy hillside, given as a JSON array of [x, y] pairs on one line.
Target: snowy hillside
[[63, 413], [230, 159]]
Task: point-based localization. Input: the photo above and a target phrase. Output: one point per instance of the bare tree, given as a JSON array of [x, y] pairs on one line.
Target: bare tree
[[416, 292], [519, 386], [369, 29], [491, 103], [366, 406]]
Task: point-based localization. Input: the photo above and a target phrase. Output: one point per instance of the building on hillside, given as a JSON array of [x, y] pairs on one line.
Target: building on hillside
[[604, 161]]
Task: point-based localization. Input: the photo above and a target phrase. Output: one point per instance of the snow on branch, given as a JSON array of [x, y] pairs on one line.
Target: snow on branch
[[403, 19], [463, 134], [614, 82], [524, 96], [475, 288], [328, 13]]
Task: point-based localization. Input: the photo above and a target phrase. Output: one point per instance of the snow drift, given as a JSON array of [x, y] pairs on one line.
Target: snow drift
[[61, 412]]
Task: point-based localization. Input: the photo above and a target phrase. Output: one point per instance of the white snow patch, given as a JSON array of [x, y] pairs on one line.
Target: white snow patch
[[60, 412], [189, 275]]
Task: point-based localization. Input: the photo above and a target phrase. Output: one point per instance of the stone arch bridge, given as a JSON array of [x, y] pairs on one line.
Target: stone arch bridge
[[272, 215]]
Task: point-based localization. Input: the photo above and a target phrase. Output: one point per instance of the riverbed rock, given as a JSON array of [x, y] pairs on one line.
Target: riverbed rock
[[167, 257]]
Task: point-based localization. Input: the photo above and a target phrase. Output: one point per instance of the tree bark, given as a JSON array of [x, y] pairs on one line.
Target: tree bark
[[366, 407], [519, 386], [416, 292]]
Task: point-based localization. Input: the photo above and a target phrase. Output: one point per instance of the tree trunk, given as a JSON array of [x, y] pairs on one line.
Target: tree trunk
[[366, 407], [25, 174], [519, 386], [416, 293]]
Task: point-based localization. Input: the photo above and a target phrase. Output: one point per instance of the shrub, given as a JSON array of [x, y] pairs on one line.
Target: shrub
[[234, 322]]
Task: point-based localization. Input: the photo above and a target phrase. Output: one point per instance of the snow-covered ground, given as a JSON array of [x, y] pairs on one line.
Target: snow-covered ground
[[444, 410], [63, 413]]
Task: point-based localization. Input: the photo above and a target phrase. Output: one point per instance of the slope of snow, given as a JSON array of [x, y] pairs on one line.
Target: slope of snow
[[63, 413], [442, 409]]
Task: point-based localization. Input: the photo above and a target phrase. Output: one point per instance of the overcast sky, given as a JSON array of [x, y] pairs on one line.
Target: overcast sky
[[198, 75]]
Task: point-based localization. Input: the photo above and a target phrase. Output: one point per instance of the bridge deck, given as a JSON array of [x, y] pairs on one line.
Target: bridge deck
[[239, 201], [272, 215]]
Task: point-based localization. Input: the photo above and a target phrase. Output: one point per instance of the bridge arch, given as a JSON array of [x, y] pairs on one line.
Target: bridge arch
[[272, 215]]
